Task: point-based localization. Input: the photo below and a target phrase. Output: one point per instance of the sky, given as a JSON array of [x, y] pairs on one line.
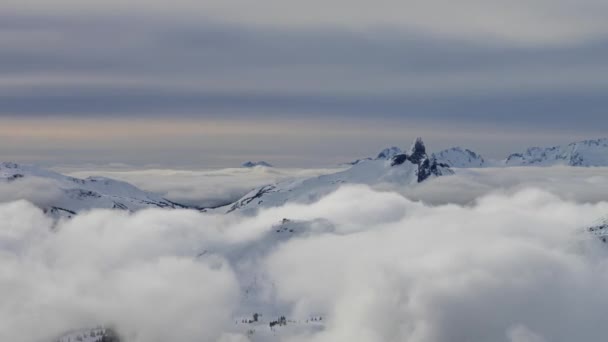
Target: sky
[[316, 83]]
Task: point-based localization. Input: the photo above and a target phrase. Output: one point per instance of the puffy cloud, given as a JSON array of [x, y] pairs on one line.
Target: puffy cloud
[[515, 266], [135, 272], [509, 266]]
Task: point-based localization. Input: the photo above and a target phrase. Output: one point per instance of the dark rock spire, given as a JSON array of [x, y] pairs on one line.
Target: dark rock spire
[[417, 151]]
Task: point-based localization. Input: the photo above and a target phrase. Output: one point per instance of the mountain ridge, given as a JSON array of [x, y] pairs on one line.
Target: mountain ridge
[[74, 195], [593, 152]]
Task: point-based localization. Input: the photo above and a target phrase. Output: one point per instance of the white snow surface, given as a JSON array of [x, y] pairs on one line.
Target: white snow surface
[[460, 158]]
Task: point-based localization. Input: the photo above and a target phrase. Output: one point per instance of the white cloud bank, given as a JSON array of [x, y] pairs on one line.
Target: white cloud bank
[[40, 191], [512, 267], [509, 268], [135, 272], [580, 184]]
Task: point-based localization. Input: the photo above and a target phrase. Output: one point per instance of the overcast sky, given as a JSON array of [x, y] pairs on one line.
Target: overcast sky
[[215, 83]]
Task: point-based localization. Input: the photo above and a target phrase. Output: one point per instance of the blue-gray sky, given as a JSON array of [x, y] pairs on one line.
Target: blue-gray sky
[[318, 82]]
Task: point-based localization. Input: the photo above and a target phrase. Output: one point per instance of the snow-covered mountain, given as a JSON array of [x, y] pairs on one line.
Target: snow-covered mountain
[[385, 154], [72, 195], [258, 163], [389, 153], [581, 153], [460, 158], [412, 167]]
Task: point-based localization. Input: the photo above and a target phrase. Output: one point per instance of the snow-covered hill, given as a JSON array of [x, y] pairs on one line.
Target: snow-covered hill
[[72, 195], [460, 158], [390, 167], [581, 153]]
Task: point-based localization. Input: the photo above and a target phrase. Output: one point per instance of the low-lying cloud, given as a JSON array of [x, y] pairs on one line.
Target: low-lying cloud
[[105, 267], [570, 183], [40, 191], [509, 266]]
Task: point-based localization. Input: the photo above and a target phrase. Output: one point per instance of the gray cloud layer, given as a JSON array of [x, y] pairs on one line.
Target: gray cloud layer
[[535, 21], [527, 68], [120, 65]]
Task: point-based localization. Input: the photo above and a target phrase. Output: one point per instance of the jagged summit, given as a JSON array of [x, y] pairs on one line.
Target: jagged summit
[[417, 151], [426, 166]]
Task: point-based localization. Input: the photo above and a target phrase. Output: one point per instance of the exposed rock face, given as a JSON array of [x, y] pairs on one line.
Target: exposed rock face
[[430, 167], [417, 151], [427, 167]]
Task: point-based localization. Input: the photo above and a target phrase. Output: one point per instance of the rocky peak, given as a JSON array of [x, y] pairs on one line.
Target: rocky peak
[[417, 151], [426, 166]]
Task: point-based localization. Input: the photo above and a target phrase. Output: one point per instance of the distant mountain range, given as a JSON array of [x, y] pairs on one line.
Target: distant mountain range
[[391, 166], [580, 153]]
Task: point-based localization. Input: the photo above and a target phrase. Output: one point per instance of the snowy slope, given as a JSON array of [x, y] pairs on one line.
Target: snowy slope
[[460, 158], [582, 153], [402, 168], [75, 194]]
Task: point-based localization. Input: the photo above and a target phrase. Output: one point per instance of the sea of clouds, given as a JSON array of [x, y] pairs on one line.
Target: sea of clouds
[[500, 255]]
